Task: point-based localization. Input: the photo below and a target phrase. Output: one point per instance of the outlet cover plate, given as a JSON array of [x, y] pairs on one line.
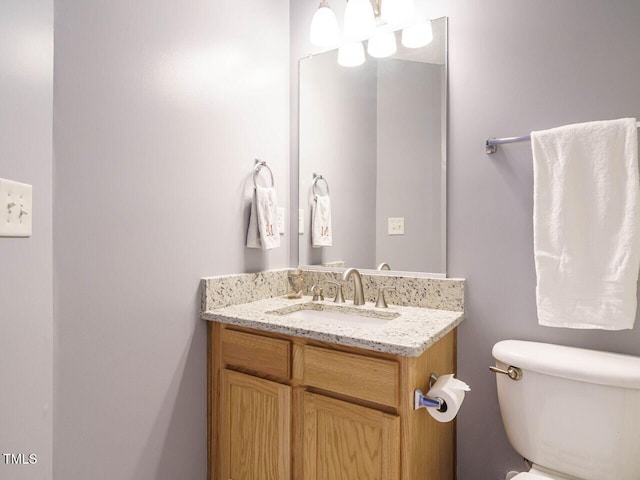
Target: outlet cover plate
[[16, 201], [396, 226]]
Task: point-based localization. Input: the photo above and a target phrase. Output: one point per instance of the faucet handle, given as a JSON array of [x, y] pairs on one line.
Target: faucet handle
[[381, 302], [339, 295], [317, 293]]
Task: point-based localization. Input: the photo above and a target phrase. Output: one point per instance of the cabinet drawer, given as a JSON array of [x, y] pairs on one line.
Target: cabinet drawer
[[371, 379], [266, 355]]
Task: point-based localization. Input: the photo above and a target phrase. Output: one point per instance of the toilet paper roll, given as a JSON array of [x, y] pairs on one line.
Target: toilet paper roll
[[451, 390]]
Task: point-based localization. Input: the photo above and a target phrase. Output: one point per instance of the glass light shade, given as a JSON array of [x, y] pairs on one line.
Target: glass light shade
[[397, 11], [359, 20], [324, 30], [382, 44], [351, 54], [417, 36]]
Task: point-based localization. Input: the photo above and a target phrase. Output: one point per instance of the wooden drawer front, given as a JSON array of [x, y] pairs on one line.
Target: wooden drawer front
[[358, 376], [266, 355]]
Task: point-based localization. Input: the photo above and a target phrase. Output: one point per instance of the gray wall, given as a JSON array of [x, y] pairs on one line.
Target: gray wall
[[160, 109], [515, 66], [26, 310], [552, 63], [409, 135]]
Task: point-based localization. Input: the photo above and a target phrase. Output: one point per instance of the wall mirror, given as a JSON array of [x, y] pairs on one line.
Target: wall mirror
[[377, 133]]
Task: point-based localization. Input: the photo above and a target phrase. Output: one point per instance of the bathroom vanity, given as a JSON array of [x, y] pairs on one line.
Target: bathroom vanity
[[291, 397]]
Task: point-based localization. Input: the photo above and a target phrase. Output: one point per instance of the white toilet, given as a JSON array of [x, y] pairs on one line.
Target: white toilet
[[573, 413]]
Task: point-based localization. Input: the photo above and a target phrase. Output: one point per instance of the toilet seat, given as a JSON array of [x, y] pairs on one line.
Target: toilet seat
[[535, 474]]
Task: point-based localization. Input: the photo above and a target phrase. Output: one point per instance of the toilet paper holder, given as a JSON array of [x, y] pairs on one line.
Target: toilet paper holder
[[420, 400]]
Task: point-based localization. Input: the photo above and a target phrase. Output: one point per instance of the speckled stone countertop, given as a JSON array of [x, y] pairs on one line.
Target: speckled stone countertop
[[410, 333]]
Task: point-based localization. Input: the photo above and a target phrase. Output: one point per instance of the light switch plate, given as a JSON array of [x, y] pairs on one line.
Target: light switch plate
[[281, 220], [300, 221], [396, 226], [16, 213]]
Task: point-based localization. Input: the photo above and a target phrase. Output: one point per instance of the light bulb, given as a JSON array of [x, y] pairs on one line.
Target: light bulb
[[418, 35], [397, 11], [324, 30], [351, 54], [359, 20], [382, 44]]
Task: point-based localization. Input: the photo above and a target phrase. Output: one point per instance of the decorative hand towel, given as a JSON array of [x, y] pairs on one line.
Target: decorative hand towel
[[263, 220], [321, 234], [586, 224]]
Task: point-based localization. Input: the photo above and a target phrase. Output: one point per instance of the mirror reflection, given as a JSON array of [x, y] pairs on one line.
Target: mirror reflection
[[373, 159]]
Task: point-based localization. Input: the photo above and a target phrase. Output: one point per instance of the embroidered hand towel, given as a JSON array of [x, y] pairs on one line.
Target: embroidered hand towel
[[263, 219], [586, 224], [321, 234]]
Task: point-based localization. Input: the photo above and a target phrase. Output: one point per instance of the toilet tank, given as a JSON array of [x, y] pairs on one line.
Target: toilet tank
[[574, 411]]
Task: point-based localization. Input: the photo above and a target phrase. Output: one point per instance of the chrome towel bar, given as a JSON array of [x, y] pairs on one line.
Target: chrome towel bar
[[491, 144]]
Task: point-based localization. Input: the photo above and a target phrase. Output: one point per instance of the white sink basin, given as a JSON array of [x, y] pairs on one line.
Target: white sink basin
[[348, 316]]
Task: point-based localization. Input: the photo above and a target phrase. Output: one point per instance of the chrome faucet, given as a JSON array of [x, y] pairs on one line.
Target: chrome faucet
[[358, 291]]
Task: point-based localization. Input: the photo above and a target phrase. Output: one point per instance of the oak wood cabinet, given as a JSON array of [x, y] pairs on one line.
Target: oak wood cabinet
[[255, 428], [283, 407]]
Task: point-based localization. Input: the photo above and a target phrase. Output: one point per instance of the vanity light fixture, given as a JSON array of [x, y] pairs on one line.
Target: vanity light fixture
[[324, 30], [418, 35], [351, 54], [359, 20], [382, 44], [360, 24]]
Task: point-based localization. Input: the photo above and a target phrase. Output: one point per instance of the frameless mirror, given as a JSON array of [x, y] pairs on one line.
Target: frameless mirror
[[377, 135]]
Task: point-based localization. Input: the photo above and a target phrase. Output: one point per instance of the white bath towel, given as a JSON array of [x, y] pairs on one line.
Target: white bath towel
[[586, 224], [321, 233], [263, 220]]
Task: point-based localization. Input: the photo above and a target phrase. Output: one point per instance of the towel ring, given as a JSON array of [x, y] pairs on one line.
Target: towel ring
[[317, 177], [256, 171]]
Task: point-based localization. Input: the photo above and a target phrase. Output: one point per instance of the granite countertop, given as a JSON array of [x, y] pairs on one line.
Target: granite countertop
[[410, 333]]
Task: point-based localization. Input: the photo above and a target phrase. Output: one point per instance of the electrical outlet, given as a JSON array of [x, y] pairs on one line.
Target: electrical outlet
[[15, 209], [396, 226], [281, 220], [300, 221]]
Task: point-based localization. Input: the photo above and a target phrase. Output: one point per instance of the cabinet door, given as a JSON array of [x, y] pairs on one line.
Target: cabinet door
[[343, 441], [255, 428]]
